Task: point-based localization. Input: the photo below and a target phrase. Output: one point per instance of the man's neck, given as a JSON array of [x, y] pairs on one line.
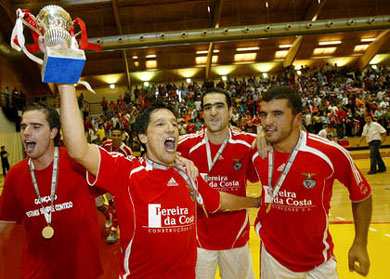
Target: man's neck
[[289, 143], [218, 137], [45, 160]]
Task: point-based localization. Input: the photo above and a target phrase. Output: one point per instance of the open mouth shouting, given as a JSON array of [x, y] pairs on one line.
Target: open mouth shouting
[[29, 145], [170, 144]]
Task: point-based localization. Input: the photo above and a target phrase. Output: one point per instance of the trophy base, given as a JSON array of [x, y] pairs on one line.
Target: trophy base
[[62, 65]]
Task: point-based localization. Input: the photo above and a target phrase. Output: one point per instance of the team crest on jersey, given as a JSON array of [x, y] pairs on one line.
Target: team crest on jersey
[[237, 165], [309, 182]]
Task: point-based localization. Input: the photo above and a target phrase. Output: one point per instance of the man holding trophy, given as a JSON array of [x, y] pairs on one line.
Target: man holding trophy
[[47, 191]]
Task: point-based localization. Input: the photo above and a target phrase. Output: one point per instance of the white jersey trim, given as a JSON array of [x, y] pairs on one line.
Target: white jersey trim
[[356, 174], [97, 171], [130, 245], [241, 229], [324, 241]]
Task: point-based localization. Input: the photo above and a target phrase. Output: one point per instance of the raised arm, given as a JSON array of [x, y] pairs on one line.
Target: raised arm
[[72, 126], [358, 252]]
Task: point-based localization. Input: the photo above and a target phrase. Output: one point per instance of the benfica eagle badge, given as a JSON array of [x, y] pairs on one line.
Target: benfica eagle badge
[[237, 165], [309, 182]]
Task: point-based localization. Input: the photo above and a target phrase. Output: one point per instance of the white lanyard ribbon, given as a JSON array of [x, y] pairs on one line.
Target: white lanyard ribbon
[[48, 212], [211, 162], [286, 169]]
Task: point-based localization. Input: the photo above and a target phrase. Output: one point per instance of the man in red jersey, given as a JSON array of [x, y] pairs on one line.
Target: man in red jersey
[[47, 192], [154, 200], [297, 178], [115, 144], [223, 158]]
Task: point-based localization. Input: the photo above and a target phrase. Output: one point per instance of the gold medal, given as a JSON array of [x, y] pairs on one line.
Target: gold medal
[[268, 208], [47, 232]]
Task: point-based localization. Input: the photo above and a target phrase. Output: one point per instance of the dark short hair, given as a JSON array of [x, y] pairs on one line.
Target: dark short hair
[[293, 98], [143, 118], [220, 91], [52, 117]]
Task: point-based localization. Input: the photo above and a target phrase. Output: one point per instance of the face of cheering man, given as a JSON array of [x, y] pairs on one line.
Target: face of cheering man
[[216, 113], [37, 137], [161, 137], [280, 125], [116, 137]]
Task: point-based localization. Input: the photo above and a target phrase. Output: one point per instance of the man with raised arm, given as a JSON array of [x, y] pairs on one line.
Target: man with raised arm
[[154, 199]]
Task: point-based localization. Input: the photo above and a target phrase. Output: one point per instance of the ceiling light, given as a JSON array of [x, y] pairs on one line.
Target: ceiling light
[[188, 80], [366, 40], [112, 86], [285, 46], [135, 57], [241, 57], [299, 72], [151, 64], [328, 43], [151, 56], [224, 78], [324, 50], [265, 75], [203, 59], [374, 67], [146, 83], [206, 51], [360, 48], [247, 48], [281, 53]]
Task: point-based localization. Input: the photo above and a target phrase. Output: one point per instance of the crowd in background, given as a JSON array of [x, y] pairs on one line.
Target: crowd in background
[[332, 96]]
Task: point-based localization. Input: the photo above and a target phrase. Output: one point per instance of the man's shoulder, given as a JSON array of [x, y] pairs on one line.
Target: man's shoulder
[[317, 144], [192, 138], [241, 136]]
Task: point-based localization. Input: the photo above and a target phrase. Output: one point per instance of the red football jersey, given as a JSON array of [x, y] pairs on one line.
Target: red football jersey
[[295, 231], [123, 148], [73, 252], [156, 216], [223, 230]]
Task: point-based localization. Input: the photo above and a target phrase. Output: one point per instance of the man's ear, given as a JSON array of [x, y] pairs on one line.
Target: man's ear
[[53, 133], [143, 138], [299, 119]]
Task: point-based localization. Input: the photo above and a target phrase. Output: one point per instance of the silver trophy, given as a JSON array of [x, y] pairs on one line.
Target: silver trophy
[[63, 60], [55, 23]]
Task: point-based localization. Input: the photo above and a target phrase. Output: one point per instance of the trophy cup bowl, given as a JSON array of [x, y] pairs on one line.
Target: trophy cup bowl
[[55, 23], [61, 63]]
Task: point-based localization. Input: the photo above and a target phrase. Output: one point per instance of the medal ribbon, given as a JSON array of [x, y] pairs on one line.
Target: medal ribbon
[[210, 162], [285, 171], [195, 195], [47, 213]]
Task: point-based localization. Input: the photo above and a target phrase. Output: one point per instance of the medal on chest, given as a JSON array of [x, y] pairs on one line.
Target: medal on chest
[[48, 230]]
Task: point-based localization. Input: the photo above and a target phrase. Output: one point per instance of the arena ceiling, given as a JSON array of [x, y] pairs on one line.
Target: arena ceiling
[[171, 40]]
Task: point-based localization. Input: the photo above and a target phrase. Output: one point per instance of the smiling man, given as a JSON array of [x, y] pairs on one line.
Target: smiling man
[[154, 199], [297, 179], [223, 158], [47, 192]]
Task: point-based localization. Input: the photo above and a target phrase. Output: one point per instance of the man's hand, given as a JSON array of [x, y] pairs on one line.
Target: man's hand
[[358, 259], [262, 146], [187, 166]]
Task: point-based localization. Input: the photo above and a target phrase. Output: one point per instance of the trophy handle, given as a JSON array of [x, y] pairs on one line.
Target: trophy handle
[[17, 33]]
